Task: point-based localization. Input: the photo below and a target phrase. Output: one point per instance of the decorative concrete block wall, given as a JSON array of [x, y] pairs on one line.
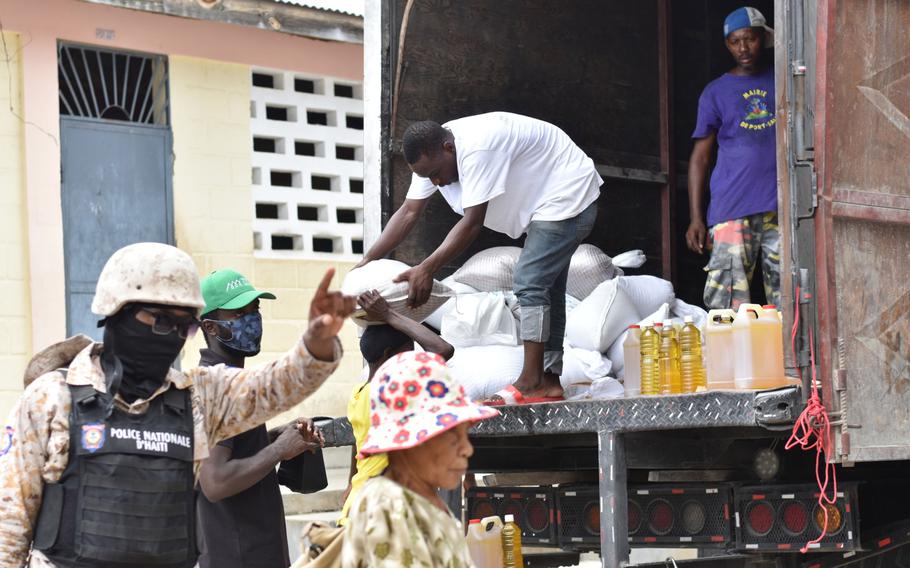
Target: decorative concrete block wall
[[307, 166]]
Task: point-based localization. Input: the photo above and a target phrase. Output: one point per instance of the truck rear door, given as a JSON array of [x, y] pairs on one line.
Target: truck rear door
[[862, 153]]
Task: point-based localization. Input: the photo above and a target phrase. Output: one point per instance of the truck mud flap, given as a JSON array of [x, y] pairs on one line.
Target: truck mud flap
[[778, 409]]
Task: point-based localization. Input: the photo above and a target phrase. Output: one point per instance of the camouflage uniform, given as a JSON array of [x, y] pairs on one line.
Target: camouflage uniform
[[735, 247], [226, 401]]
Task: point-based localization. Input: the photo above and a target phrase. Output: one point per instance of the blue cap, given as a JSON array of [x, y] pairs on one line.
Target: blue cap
[[745, 17]]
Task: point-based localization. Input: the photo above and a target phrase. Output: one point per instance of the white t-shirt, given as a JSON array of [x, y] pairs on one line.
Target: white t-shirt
[[525, 169]]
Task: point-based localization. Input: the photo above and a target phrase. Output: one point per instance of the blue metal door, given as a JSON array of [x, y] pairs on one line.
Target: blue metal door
[[116, 191]]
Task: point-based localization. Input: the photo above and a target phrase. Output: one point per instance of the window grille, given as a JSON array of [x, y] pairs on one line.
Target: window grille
[[307, 140], [102, 84]]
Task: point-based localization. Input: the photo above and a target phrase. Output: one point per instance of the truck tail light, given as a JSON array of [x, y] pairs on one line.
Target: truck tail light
[[532, 507], [795, 517], [660, 517], [787, 517], [681, 515], [537, 515], [693, 517], [759, 518], [835, 519], [591, 518], [635, 517]]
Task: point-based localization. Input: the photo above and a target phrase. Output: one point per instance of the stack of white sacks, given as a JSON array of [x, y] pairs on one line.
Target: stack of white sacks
[[477, 312]]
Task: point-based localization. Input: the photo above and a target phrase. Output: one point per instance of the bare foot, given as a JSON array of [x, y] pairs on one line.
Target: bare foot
[[547, 386]]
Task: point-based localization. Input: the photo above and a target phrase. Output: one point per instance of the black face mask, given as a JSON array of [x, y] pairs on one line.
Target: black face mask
[[145, 356]]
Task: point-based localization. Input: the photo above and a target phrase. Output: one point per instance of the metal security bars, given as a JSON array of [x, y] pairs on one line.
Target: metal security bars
[[102, 84]]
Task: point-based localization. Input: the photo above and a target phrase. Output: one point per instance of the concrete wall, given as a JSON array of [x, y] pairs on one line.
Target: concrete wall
[[213, 211], [15, 331]]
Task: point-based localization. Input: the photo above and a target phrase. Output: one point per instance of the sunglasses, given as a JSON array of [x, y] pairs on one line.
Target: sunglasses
[[165, 324]]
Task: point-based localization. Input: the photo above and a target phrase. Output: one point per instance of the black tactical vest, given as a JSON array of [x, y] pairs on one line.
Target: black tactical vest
[[126, 497]]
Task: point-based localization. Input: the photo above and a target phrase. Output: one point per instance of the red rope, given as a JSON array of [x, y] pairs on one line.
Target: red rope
[[812, 431]]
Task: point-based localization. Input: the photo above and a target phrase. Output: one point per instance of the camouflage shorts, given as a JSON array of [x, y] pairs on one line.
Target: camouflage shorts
[[735, 247]]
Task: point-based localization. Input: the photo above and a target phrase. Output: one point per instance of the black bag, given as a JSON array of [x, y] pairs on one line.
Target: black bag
[[304, 473]]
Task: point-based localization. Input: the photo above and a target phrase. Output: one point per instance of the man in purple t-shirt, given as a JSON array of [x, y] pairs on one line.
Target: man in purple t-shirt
[[736, 111]]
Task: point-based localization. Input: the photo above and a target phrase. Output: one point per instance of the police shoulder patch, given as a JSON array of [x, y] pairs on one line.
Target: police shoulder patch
[[93, 436]]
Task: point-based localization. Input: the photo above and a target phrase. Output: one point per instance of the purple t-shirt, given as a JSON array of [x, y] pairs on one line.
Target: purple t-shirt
[[740, 110]]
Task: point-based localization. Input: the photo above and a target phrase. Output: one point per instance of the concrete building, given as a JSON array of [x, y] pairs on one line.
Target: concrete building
[[237, 136]]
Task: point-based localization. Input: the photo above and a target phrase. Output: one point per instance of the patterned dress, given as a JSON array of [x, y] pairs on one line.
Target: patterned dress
[[391, 526]]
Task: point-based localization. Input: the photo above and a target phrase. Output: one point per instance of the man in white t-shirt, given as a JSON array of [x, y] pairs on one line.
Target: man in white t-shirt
[[516, 175]]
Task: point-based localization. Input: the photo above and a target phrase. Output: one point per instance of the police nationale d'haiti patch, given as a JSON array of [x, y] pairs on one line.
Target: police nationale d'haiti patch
[[93, 436]]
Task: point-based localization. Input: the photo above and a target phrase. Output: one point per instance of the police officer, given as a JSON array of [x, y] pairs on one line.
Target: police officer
[[101, 468]]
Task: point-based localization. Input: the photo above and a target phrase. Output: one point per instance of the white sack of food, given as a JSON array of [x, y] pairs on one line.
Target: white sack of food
[[646, 292], [577, 391], [483, 318], [582, 366], [485, 369], [607, 387], [601, 317], [630, 259], [435, 319], [657, 316], [588, 268], [457, 287], [681, 309], [378, 275], [490, 270], [571, 303], [615, 351], [615, 354]]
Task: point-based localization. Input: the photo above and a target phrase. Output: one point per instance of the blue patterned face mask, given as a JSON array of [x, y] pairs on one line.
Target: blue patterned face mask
[[246, 333]]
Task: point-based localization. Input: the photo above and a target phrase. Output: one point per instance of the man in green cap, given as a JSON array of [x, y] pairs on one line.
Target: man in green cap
[[241, 517]]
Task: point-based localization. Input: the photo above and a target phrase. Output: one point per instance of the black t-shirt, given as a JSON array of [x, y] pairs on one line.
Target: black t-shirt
[[246, 530]]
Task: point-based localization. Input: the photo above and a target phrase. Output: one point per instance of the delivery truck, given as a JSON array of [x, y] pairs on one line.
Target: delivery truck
[[707, 470]]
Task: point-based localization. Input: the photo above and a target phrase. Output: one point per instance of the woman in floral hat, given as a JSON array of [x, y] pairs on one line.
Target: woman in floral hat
[[420, 417]]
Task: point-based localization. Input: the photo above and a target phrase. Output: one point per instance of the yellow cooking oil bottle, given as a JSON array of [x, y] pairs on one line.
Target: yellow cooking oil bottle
[[691, 367], [670, 381], [650, 354], [511, 544]]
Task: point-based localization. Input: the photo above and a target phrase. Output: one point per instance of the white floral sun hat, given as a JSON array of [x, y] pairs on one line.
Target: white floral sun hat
[[413, 398]]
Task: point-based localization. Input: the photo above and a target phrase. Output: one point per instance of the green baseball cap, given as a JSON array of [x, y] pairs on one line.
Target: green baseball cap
[[229, 290]]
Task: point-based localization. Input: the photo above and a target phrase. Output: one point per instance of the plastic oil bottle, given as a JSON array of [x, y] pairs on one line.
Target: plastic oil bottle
[[691, 368], [670, 380], [719, 349], [511, 544], [758, 348], [650, 365], [485, 542], [631, 356]]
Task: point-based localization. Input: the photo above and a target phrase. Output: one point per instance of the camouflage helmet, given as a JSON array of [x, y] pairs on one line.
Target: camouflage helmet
[[152, 273]]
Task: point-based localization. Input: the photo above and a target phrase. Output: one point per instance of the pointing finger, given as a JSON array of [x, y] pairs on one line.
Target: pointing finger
[[323, 287]]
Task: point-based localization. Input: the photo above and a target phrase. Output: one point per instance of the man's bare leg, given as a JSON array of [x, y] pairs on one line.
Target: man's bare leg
[[533, 382]]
